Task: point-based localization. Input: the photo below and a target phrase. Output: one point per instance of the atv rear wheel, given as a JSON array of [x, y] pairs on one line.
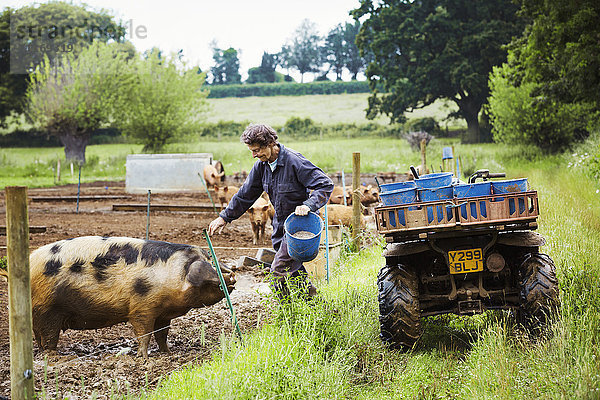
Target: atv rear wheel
[[399, 310], [539, 290]]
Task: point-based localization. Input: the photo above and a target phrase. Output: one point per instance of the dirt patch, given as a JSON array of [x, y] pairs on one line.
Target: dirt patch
[[103, 361]]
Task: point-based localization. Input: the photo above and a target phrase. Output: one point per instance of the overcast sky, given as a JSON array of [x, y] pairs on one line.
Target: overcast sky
[[249, 26]]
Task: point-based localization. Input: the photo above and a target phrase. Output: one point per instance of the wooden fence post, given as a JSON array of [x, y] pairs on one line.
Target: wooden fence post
[[356, 199], [19, 294]]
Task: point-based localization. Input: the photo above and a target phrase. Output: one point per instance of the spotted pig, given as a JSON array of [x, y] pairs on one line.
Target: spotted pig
[[93, 282]]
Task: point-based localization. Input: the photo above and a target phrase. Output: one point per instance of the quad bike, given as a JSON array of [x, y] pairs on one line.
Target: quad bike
[[463, 256]]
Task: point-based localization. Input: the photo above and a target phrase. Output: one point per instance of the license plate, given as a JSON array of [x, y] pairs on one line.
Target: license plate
[[463, 261]]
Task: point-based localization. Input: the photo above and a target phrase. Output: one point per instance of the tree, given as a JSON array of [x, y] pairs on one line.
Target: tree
[[519, 116], [73, 96], [561, 50], [302, 52], [354, 62], [335, 50], [546, 94], [30, 33], [12, 86], [164, 100], [434, 49], [266, 71], [227, 67]]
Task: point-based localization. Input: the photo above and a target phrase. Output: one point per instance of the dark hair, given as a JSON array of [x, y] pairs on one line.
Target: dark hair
[[260, 134]]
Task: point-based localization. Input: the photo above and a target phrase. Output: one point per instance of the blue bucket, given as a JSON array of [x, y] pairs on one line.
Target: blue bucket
[[435, 180], [473, 190], [437, 194], [400, 196], [303, 249], [511, 186], [397, 197], [388, 187]]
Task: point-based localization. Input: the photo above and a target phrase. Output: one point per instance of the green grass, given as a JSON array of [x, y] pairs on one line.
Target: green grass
[[326, 109], [36, 167]]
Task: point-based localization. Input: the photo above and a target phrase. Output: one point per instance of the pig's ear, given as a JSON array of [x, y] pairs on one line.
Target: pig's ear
[[225, 189], [200, 273]]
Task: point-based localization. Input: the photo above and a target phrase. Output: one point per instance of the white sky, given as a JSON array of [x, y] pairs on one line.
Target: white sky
[[249, 26]]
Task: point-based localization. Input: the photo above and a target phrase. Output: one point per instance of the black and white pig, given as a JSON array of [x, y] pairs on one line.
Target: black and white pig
[[93, 282]]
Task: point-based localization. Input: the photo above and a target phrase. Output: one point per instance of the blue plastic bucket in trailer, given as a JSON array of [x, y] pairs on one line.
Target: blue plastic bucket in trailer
[[388, 187], [303, 247], [435, 180], [400, 196], [473, 190]]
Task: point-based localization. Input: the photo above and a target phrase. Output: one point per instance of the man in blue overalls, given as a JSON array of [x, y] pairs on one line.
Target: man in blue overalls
[[287, 177]]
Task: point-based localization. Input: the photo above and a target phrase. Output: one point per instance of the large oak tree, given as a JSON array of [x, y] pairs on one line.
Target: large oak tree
[[434, 49]]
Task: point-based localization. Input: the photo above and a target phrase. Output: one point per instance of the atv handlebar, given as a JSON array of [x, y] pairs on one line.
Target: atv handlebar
[[485, 175]]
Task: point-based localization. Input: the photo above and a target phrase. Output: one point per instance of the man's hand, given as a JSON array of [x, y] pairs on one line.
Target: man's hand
[[302, 210], [218, 223]]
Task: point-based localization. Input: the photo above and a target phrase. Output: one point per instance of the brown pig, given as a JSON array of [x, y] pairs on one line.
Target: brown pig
[[212, 176], [339, 214], [369, 195], [93, 282], [260, 212], [337, 195], [224, 194]]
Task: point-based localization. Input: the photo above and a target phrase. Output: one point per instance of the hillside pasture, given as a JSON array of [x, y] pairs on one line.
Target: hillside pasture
[[325, 109]]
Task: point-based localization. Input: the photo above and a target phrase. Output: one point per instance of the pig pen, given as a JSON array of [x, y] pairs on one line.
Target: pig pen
[[103, 361]]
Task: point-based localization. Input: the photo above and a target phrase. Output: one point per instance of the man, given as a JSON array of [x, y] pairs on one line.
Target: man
[[287, 177]]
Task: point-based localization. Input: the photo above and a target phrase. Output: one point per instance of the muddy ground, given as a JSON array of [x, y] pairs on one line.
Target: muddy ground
[[103, 361]]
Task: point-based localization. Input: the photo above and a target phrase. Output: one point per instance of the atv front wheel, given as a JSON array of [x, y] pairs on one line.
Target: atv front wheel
[[539, 290], [399, 311]]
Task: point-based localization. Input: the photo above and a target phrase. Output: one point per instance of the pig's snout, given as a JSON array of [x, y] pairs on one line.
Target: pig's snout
[[229, 278], [228, 275]]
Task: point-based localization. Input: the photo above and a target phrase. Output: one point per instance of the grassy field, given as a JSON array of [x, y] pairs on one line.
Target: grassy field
[[329, 109], [36, 167], [276, 110]]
